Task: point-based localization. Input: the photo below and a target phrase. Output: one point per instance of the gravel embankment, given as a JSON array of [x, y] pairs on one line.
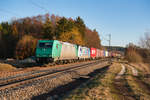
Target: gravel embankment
[[45, 85], [5, 75]]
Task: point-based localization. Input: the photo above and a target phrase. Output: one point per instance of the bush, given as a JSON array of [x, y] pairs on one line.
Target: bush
[[145, 54], [133, 56], [26, 47], [6, 67]]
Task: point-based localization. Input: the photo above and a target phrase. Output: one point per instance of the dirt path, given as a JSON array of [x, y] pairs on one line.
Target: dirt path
[[136, 82], [121, 86], [134, 70], [122, 72]]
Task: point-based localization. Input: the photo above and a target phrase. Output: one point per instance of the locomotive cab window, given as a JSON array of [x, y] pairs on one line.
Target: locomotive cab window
[[45, 45]]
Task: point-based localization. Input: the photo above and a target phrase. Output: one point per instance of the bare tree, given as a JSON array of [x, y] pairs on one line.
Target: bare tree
[[144, 41]]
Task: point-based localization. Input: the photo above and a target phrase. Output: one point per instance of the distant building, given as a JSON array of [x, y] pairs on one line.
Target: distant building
[[118, 49]]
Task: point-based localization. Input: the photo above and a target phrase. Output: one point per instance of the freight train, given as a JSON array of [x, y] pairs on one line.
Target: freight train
[[61, 52]]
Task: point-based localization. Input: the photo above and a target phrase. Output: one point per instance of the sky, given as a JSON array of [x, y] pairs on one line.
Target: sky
[[125, 20]]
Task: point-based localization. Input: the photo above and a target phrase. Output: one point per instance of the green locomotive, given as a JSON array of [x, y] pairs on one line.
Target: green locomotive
[[54, 50]]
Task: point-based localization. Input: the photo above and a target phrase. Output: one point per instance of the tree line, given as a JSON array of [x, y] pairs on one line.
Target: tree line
[[18, 38]]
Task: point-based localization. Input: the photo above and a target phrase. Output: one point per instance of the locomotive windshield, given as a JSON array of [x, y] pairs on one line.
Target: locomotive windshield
[[45, 45]]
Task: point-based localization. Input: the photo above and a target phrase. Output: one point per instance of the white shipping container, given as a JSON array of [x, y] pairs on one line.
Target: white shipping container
[[83, 52], [106, 53]]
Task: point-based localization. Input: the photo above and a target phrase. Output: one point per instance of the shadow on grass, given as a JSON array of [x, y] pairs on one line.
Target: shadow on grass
[[122, 89]]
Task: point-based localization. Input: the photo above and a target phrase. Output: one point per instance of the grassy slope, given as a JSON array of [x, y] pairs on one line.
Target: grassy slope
[[137, 83], [97, 88]]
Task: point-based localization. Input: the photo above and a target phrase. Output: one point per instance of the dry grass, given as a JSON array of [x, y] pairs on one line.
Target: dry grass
[[133, 56], [144, 73], [139, 89], [142, 67], [98, 88], [6, 67]]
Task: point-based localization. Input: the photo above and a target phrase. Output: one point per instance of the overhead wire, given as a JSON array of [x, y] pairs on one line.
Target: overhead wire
[[103, 38], [39, 6], [9, 12]]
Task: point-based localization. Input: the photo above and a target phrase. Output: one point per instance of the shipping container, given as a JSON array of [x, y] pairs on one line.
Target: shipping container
[[83, 52], [98, 53], [109, 53], [114, 54], [101, 53], [93, 53], [106, 54]]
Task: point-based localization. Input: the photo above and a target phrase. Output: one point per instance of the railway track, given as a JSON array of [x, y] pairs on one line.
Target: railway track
[[33, 77]]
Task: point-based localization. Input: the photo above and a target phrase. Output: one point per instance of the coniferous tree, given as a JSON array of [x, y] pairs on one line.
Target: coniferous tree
[[47, 29]]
